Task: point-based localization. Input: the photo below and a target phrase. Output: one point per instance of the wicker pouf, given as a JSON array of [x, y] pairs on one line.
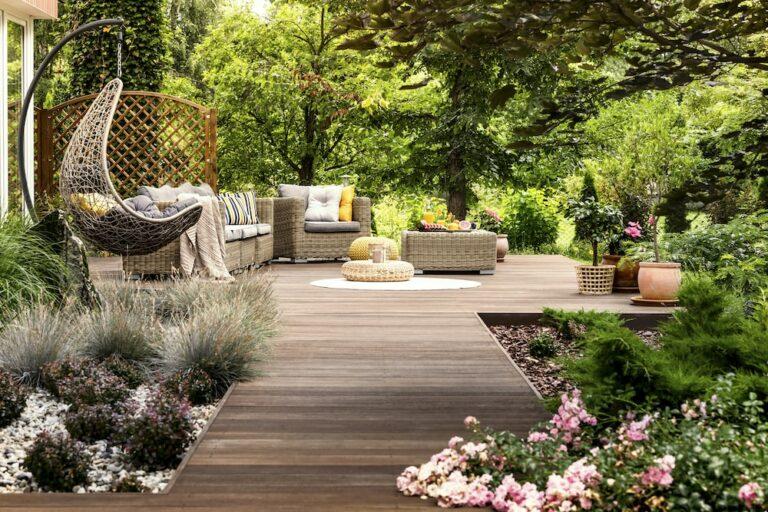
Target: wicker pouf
[[358, 250], [595, 280], [386, 272]]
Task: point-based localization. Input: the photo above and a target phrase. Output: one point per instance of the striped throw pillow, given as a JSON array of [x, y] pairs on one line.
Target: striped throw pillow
[[240, 208]]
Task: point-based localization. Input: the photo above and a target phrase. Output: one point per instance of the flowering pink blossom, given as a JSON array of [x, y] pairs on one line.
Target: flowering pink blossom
[[651, 220], [570, 418], [697, 410], [635, 431], [493, 214], [455, 441], [633, 230], [576, 487], [751, 493], [470, 422], [537, 437], [510, 496], [661, 473]]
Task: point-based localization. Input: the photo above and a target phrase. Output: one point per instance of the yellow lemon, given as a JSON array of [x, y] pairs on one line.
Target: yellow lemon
[[453, 226]]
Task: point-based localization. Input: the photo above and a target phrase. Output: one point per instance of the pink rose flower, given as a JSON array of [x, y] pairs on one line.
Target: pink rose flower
[[660, 474], [470, 421], [751, 493]]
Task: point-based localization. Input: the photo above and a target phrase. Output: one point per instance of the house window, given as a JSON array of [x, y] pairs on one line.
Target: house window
[[16, 72], [15, 76]]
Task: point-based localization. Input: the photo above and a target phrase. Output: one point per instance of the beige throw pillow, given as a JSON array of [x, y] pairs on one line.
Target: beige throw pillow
[[323, 204]]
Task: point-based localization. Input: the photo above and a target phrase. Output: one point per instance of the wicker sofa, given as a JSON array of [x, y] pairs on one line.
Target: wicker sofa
[[300, 240], [242, 251]]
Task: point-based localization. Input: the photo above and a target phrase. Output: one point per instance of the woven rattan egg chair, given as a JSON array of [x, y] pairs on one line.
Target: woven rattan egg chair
[[98, 211]]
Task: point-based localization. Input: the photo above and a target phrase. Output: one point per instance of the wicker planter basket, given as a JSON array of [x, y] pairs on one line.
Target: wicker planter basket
[[595, 280]]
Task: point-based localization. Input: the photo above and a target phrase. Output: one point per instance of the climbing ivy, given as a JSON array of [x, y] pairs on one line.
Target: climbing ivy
[[94, 56]]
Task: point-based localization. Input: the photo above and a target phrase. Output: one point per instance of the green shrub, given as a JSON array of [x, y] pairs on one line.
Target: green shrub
[[82, 382], [712, 247], [220, 341], [97, 386], [91, 423], [57, 462], [133, 375], [55, 372], [710, 337], [120, 328], [542, 346], [221, 330], [130, 483], [37, 336], [573, 324], [29, 271], [530, 220], [158, 437], [13, 399], [194, 385]]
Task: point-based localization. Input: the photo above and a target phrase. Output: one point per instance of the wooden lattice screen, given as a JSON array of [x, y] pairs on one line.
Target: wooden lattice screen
[[156, 139]]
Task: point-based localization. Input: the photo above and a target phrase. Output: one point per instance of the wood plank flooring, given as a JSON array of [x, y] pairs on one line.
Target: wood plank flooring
[[360, 385]]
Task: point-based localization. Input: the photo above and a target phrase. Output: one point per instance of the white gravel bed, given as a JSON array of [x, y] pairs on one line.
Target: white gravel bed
[[43, 412]]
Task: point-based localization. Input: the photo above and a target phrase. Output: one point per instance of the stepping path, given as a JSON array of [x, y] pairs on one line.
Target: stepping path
[[361, 384]]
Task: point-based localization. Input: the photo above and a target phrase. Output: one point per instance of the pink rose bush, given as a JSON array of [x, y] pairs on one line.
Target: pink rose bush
[[633, 230], [666, 460]]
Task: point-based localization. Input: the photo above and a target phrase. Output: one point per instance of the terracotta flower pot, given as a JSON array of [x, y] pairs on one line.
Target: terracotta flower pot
[[659, 281], [625, 279], [502, 246]]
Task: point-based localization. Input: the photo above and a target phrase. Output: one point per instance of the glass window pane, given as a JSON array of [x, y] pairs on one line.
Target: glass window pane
[[15, 85]]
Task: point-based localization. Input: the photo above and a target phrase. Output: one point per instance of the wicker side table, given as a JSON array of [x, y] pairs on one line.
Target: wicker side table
[[385, 272], [470, 251]]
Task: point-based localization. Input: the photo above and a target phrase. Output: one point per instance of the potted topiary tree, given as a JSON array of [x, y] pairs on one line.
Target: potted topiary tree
[[596, 223]]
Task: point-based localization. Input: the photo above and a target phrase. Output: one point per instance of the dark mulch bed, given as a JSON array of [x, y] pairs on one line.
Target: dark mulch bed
[[544, 372]]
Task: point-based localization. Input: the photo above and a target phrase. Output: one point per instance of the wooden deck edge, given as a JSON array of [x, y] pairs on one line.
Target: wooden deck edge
[[196, 444], [487, 329]]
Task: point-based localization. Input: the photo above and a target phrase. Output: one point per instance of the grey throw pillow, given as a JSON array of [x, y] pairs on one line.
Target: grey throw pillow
[[323, 204], [167, 193], [294, 191]]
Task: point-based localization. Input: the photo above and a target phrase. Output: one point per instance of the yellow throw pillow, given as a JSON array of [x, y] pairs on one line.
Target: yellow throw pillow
[[93, 203], [345, 206]]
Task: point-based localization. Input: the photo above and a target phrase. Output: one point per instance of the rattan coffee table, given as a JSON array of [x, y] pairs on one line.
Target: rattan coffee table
[[385, 272], [461, 251]]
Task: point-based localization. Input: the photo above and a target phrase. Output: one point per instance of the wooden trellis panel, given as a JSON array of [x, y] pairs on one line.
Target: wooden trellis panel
[[155, 139]]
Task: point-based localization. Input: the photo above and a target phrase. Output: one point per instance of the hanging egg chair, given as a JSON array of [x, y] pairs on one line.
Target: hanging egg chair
[[98, 212]]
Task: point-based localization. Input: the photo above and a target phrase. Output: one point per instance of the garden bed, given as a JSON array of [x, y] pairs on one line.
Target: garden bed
[[108, 468], [112, 398], [536, 349]]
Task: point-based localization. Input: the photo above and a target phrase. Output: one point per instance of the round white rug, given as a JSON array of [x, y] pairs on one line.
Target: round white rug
[[415, 284]]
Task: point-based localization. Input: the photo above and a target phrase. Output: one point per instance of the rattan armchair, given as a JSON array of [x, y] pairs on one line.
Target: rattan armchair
[[294, 242], [240, 254]]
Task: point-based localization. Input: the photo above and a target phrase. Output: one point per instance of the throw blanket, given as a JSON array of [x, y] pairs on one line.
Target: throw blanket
[[203, 245]]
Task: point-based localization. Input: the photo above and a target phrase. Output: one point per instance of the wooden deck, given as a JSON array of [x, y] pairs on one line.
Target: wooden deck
[[361, 384]]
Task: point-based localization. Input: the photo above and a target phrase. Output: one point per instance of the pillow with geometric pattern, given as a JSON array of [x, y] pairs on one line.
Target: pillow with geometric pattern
[[240, 208]]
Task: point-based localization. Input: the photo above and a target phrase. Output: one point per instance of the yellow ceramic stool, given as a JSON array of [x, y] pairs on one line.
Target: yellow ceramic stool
[[359, 248]]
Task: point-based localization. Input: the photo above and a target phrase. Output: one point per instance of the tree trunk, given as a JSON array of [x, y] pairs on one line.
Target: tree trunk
[[457, 179], [594, 253], [457, 186]]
